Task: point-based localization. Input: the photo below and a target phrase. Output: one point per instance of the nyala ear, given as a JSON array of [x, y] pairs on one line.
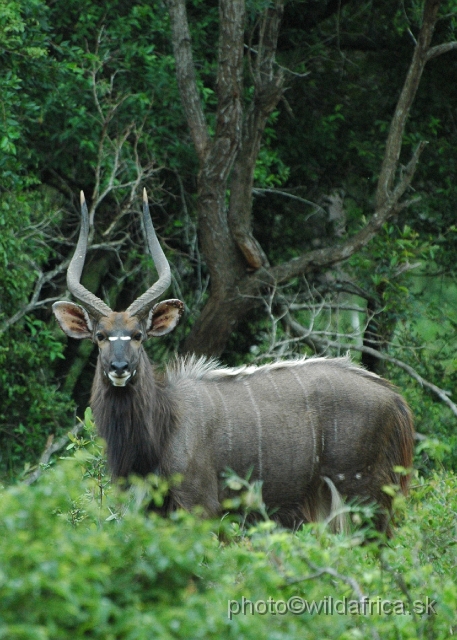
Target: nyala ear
[[164, 316], [73, 319]]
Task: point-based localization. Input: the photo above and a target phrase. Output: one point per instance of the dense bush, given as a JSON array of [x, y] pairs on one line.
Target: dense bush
[[80, 560]]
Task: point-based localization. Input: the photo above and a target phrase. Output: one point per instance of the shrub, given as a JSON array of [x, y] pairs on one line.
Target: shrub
[[80, 559]]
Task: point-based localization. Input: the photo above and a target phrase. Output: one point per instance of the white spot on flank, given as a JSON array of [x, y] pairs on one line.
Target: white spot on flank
[[358, 476], [340, 476]]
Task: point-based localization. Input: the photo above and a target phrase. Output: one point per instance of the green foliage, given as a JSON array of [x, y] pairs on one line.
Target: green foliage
[[114, 77], [80, 559], [270, 170], [23, 54], [426, 342], [31, 408]]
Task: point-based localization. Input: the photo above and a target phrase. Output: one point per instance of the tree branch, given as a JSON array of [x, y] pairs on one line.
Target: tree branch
[[440, 49], [185, 73], [268, 89], [34, 302], [321, 258], [286, 194], [219, 160], [52, 446], [407, 95], [230, 69]]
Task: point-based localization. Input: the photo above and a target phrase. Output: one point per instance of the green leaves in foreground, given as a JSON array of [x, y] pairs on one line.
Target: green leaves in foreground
[[115, 572]]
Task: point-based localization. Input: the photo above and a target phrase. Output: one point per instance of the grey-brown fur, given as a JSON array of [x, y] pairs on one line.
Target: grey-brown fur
[[310, 430], [292, 423]]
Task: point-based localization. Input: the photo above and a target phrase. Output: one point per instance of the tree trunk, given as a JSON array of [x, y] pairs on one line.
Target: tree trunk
[[239, 269]]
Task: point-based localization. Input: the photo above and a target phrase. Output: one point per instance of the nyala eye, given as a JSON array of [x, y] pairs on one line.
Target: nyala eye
[[100, 337], [137, 336]]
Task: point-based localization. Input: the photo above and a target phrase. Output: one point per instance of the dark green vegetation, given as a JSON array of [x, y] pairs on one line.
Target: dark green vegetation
[[80, 560], [261, 173]]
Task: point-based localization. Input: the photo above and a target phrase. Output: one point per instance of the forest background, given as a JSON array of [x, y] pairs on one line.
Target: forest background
[[300, 160]]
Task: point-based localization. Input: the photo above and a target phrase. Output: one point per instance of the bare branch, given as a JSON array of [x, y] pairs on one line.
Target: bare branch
[[328, 256], [114, 152], [327, 305], [397, 126], [23, 312], [440, 49], [317, 339], [286, 194], [52, 446], [34, 302]]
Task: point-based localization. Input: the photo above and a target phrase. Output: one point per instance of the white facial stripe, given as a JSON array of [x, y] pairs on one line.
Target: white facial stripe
[[113, 338]]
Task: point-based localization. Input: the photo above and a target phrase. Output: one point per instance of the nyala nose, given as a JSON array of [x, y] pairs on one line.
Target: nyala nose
[[119, 368]]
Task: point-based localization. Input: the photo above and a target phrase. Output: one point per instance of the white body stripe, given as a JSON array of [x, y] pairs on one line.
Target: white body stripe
[[310, 415], [259, 424], [227, 418], [271, 379]]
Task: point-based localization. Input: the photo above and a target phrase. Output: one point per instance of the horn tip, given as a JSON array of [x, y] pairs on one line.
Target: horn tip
[[83, 199], [145, 195]]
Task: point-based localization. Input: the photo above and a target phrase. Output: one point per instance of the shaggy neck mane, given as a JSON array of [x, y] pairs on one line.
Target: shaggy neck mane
[[135, 420]]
